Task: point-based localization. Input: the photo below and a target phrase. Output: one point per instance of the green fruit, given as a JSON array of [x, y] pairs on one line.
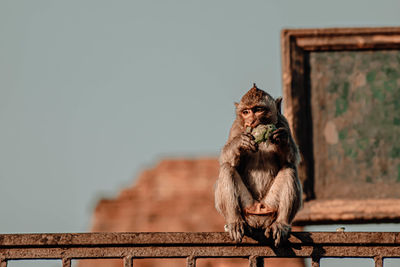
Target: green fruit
[[262, 132], [270, 129]]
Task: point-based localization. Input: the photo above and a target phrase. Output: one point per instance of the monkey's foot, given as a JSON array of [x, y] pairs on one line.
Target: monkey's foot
[[280, 232], [259, 209], [235, 230]]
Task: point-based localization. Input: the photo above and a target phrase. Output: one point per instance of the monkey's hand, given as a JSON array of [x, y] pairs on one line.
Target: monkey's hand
[[246, 142], [235, 230], [280, 136], [240, 144], [280, 232]]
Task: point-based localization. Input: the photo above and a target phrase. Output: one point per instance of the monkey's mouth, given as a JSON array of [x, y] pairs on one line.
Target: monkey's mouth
[[252, 125]]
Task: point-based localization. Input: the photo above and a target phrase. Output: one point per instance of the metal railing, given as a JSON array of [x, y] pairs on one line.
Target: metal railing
[[131, 246]]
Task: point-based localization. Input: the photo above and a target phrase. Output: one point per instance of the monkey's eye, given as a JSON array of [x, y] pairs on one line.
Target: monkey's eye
[[259, 109], [245, 112]]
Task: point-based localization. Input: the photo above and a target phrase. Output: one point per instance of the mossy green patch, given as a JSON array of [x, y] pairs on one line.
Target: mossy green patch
[[390, 85], [362, 143], [371, 76], [395, 152], [342, 102], [341, 106], [333, 87], [377, 93], [345, 92], [343, 134], [392, 74], [398, 173], [349, 151]]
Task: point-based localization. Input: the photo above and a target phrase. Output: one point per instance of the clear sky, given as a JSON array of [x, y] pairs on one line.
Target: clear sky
[[92, 92]]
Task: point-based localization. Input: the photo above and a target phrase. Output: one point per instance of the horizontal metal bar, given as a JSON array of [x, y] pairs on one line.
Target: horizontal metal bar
[[199, 251], [129, 246], [199, 238]]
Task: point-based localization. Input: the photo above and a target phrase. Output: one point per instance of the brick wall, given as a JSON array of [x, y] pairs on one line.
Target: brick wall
[[174, 196]]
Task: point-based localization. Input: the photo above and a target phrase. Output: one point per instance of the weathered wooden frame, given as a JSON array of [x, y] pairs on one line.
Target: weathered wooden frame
[[296, 45]]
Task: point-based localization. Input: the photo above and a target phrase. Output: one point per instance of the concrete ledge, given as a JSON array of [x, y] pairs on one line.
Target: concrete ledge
[[339, 211]]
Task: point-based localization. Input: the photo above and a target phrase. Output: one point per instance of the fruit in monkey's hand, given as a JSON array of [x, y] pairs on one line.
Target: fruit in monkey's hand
[[262, 132]]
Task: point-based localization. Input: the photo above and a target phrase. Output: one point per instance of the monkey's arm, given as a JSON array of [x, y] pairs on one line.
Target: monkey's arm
[[231, 194], [282, 138], [238, 143]]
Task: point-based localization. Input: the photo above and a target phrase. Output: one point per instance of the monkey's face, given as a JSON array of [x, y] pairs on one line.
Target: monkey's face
[[256, 107], [259, 114]]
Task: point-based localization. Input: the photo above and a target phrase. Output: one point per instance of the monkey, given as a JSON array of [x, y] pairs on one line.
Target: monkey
[[258, 186]]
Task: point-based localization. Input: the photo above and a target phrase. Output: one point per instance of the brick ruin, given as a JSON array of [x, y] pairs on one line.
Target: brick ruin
[[174, 196]]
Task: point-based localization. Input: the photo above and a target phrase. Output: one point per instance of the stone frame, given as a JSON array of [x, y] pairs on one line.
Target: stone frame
[[296, 46]]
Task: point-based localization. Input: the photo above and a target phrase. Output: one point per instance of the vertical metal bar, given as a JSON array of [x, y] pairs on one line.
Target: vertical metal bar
[[378, 261], [128, 262], [66, 262], [315, 262], [255, 261], [191, 261]]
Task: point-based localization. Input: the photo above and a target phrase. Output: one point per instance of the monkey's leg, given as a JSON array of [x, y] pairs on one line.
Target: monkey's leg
[[231, 195], [284, 196]]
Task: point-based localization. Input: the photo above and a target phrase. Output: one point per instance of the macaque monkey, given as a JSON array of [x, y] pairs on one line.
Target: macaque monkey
[[258, 188]]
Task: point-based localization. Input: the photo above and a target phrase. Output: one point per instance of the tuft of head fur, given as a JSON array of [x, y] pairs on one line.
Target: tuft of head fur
[[255, 96]]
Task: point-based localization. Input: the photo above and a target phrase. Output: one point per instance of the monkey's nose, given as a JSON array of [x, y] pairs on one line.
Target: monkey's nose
[[253, 124]]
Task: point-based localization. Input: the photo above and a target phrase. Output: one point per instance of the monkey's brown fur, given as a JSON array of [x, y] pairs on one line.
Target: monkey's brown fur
[[258, 187]]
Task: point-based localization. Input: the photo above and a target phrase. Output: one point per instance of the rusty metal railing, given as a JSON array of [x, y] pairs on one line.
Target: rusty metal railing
[[131, 246]]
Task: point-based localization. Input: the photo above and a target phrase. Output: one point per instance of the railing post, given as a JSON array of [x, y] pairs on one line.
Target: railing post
[[255, 261], [378, 261], [66, 262], [315, 261], [191, 261], [128, 261]]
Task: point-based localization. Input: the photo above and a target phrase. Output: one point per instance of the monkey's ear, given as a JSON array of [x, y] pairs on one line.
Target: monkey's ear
[[278, 103], [236, 104]]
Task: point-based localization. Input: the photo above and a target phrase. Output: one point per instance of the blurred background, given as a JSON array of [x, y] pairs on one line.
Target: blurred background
[[92, 93]]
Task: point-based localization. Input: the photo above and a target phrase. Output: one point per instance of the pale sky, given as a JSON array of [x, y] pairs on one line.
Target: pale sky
[[92, 92]]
